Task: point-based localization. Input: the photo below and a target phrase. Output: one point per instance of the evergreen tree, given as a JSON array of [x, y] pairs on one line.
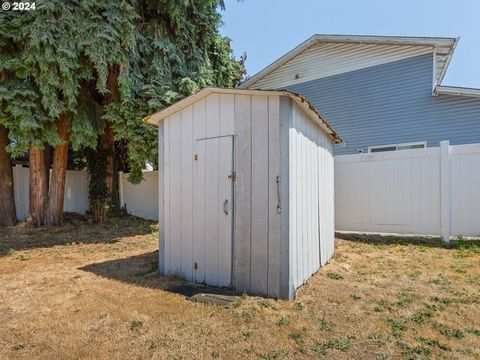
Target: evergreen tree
[[54, 51], [84, 73], [7, 200], [178, 51]]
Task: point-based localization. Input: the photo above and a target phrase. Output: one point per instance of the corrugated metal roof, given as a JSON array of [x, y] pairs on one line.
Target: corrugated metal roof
[[304, 103], [323, 53]]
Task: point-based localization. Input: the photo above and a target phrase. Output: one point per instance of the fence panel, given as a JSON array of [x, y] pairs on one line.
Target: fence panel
[[396, 192], [76, 191], [465, 190], [140, 200], [432, 191]]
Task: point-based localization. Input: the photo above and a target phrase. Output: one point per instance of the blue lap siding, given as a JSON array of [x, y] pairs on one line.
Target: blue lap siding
[[392, 103]]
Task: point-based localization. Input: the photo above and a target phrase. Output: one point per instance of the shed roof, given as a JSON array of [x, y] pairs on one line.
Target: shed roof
[[444, 48], [300, 100]]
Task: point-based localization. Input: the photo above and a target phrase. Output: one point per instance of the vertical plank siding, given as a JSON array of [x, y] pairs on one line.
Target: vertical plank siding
[[227, 114], [260, 204], [294, 210], [175, 248], [243, 192], [161, 197], [274, 196], [186, 245], [166, 199], [257, 222], [280, 195], [191, 220], [212, 209], [286, 275], [199, 182], [225, 241], [311, 197]]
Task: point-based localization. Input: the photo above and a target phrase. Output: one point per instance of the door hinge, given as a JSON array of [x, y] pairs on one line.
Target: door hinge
[[195, 157], [279, 205], [233, 177]]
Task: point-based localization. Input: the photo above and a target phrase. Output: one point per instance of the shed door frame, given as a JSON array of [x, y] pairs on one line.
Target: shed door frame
[[228, 169]]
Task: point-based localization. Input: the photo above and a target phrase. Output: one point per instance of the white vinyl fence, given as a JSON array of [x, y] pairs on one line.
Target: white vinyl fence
[[140, 200], [433, 191], [76, 191]]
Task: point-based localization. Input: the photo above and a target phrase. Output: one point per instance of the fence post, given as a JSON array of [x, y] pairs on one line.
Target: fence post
[[445, 189], [120, 187]]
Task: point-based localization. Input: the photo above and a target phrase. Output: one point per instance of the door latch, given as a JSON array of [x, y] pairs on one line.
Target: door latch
[[233, 177]]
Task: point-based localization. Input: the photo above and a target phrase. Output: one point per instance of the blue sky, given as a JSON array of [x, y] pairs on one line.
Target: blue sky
[[267, 29]]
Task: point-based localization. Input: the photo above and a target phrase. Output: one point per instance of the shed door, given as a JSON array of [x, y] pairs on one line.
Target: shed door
[[213, 201]]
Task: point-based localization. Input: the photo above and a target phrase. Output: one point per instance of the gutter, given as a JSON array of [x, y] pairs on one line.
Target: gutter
[[456, 91]]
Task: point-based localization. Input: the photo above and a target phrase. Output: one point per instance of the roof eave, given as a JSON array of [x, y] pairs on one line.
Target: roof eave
[[456, 91], [155, 118], [447, 62], [357, 39]]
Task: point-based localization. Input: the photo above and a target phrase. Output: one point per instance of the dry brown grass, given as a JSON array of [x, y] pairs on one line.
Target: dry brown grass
[[92, 291]]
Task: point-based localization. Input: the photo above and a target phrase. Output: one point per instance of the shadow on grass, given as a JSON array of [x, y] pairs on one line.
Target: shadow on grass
[[142, 270], [76, 230], [435, 242]]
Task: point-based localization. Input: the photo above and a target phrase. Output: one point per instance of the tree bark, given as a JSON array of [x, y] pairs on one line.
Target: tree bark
[[107, 144], [38, 187], [48, 159], [8, 216], [107, 139], [59, 172]]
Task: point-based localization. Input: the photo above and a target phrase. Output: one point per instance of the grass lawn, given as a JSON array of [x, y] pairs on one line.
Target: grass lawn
[[92, 291]]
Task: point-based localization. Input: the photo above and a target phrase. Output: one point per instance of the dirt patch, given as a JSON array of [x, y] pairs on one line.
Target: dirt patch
[[93, 291]]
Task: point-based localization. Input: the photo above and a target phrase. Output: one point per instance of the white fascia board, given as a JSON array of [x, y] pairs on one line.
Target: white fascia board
[[448, 59], [458, 91]]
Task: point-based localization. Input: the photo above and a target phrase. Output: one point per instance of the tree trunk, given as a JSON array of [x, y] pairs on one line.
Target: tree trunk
[[59, 172], [107, 139], [38, 188], [107, 144], [8, 216], [48, 159]]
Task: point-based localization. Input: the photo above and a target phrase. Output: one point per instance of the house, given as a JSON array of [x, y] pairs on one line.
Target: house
[[382, 93], [245, 190]]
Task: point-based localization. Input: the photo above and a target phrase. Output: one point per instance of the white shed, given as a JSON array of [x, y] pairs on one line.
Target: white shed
[[245, 190]]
